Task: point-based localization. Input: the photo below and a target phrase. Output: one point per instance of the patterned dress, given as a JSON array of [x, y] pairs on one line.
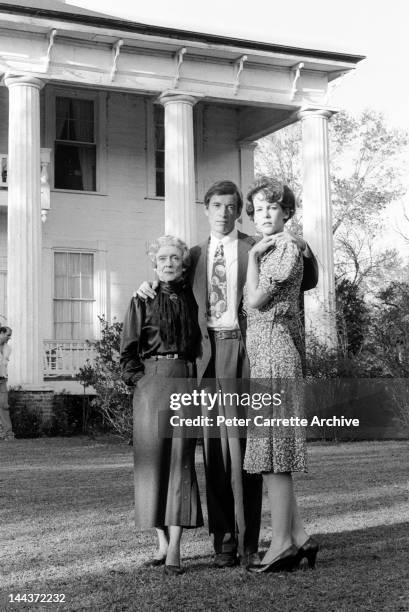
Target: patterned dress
[[274, 340]]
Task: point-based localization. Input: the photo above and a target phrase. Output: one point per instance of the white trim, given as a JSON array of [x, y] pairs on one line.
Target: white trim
[[101, 278], [100, 132]]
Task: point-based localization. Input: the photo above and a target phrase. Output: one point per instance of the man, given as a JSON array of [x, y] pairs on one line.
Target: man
[[217, 276], [6, 427]]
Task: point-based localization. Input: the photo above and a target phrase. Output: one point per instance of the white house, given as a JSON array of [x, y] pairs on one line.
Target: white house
[[112, 131]]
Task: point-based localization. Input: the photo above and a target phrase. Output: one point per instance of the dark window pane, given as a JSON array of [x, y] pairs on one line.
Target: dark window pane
[[160, 184], [160, 160], [159, 114], [74, 119], [159, 137], [4, 169], [75, 167], [159, 118]]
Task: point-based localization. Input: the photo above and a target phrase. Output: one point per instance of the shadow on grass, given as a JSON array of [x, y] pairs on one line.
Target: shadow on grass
[[70, 530], [357, 570]]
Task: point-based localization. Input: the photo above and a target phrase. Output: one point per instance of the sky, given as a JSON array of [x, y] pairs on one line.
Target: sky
[[374, 28]]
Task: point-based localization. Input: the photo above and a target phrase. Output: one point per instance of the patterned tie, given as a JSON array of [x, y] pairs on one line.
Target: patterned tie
[[218, 284]]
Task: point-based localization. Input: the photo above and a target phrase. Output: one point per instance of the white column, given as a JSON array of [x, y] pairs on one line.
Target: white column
[[24, 230], [180, 199], [246, 178], [317, 222]]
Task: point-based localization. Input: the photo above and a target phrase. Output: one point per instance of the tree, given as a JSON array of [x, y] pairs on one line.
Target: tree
[[366, 167], [352, 316], [366, 176], [403, 231]]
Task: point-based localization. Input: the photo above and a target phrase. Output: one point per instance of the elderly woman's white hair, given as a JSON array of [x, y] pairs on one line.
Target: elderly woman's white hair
[[169, 241]]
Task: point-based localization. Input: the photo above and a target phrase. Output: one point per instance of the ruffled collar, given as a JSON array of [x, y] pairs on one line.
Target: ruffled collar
[[173, 287]]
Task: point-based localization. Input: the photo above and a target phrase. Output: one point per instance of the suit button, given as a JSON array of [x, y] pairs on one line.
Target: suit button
[[206, 336]]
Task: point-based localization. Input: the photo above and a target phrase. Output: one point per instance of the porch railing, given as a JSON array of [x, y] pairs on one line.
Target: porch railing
[[65, 357]]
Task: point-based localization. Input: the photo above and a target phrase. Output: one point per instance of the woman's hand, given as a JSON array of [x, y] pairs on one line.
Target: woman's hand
[[262, 246]]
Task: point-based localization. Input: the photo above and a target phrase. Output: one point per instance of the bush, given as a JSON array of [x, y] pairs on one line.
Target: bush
[[27, 420], [113, 398], [72, 415]]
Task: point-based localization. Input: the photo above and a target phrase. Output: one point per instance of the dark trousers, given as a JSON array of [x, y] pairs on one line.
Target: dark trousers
[[233, 496]]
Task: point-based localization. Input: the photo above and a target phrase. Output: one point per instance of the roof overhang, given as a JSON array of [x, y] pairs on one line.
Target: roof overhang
[[88, 49]]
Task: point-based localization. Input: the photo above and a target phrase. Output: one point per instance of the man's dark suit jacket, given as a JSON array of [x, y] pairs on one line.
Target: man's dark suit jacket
[[198, 279]]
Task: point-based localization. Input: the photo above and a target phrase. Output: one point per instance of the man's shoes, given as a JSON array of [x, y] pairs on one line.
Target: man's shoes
[[250, 561], [225, 559], [173, 570]]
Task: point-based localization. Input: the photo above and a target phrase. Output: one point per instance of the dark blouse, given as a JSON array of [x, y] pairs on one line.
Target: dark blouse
[[165, 325]]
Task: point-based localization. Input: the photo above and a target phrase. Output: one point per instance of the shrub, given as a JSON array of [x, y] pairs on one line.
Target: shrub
[[113, 398]]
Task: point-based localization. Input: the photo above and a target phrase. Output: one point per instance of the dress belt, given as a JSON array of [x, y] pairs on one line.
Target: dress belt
[[225, 334]]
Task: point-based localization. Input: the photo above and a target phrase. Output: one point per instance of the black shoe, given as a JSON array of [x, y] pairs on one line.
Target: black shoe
[[173, 570], [307, 554], [285, 562], [250, 561], [225, 559], [154, 562]]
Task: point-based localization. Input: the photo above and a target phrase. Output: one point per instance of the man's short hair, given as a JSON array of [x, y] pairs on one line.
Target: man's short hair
[[4, 329], [224, 188]]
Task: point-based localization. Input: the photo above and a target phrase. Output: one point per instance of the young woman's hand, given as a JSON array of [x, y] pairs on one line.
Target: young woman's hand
[[262, 246]]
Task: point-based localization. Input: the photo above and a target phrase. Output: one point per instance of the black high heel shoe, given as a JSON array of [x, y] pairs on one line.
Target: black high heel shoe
[[173, 570], [307, 554], [285, 562]]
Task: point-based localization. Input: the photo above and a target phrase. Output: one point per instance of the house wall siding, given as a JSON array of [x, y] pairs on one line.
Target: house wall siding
[[122, 220]]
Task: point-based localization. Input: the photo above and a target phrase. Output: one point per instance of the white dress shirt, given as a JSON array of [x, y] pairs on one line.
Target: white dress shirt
[[229, 319], [5, 351]]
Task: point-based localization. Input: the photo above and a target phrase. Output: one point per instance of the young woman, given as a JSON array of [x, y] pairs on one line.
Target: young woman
[[274, 275]]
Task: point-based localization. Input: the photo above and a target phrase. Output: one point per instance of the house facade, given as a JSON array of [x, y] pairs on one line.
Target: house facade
[[112, 132]]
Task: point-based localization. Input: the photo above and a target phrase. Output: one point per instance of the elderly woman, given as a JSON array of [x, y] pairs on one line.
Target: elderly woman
[[158, 350], [274, 340]]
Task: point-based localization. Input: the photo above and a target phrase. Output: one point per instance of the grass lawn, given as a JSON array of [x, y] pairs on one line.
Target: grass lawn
[[67, 527]]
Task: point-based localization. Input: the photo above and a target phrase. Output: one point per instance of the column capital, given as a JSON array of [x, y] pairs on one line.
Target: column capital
[[11, 80], [174, 95], [319, 113], [247, 144]]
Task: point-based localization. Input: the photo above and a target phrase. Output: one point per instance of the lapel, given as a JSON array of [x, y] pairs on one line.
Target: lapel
[[244, 244], [199, 284], [242, 250]]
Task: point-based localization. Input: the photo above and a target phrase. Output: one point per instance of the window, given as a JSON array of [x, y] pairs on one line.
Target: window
[[73, 296], [3, 297], [75, 152], [159, 121], [155, 150]]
